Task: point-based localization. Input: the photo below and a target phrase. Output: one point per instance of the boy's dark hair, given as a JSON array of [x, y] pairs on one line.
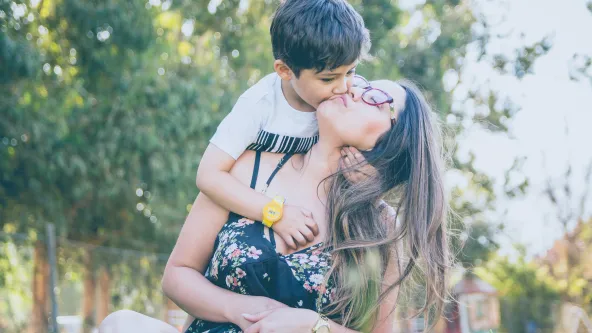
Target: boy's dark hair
[[318, 34]]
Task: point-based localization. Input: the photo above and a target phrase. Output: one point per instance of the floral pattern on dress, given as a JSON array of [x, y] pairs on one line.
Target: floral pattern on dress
[[304, 265], [231, 253], [198, 325], [241, 242]]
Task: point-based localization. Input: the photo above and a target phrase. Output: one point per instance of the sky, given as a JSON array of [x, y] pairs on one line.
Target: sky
[[549, 102]]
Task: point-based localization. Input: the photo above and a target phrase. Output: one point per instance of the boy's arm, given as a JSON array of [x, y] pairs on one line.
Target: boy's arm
[[297, 226], [214, 179], [239, 129], [236, 131]]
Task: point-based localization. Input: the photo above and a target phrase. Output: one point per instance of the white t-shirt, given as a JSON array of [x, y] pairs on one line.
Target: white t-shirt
[[262, 119]]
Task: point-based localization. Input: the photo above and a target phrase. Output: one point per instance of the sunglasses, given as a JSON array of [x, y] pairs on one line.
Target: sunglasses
[[374, 96]]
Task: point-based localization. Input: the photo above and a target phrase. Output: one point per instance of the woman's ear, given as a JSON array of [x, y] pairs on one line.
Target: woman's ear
[[284, 72], [399, 96]]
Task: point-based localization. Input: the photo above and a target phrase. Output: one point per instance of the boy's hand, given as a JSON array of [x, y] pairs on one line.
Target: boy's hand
[[353, 159], [297, 227]]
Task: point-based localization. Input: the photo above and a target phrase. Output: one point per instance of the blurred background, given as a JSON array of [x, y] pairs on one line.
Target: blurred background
[[107, 105]]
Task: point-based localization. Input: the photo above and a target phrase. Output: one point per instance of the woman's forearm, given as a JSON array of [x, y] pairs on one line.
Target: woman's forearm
[[199, 297], [183, 280]]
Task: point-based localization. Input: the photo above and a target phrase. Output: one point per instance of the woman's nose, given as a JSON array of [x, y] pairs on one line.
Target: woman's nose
[[356, 93]]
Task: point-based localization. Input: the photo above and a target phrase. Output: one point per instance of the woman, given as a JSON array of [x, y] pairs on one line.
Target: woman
[[352, 270]]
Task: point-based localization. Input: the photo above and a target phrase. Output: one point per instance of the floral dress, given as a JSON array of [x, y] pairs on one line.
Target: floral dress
[[245, 261]]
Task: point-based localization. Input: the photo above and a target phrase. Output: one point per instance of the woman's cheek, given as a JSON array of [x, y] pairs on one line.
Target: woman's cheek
[[373, 132], [358, 136]]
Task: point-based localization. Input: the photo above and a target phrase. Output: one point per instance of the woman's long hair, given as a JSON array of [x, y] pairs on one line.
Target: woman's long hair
[[409, 163]]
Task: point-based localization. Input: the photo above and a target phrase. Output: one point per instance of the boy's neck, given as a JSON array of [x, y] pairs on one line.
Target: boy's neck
[[294, 99]]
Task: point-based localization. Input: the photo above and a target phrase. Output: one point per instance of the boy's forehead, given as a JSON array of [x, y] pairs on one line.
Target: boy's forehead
[[340, 69]]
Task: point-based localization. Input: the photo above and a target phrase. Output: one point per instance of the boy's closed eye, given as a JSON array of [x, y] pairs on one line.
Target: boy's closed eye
[[332, 77]]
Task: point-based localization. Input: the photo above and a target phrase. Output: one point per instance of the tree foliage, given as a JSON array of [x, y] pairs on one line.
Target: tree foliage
[[106, 106]]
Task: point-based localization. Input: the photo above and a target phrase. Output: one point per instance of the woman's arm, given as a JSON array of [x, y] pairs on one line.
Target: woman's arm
[[214, 179], [386, 312], [183, 281], [386, 315]]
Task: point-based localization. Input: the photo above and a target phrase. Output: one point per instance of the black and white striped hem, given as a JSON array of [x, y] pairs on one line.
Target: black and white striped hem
[[282, 144]]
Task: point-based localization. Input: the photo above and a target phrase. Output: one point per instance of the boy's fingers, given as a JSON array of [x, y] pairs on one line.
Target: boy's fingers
[[290, 242], [346, 163], [355, 151], [350, 156], [356, 155], [344, 152], [347, 159], [309, 221], [312, 225], [359, 158], [299, 238], [307, 233], [306, 212]]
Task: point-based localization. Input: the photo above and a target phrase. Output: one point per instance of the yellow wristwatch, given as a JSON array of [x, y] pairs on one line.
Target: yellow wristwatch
[[273, 211], [322, 325]]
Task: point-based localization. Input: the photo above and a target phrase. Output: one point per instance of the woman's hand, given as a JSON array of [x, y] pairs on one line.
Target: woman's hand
[[286, 320], [255, 305]]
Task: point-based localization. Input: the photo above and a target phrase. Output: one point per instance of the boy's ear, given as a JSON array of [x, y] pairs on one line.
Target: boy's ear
[[282, 70]]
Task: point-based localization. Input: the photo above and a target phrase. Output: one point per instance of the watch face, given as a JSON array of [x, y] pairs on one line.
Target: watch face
[[272, 213]]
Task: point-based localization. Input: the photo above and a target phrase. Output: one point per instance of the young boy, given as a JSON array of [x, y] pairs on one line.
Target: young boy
[[317, 45]]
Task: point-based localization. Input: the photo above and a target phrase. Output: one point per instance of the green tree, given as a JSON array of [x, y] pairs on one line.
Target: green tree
[[107, 106], [527, 293]]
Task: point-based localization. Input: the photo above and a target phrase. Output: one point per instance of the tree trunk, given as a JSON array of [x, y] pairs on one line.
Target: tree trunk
[[40, 287], [104, 294], [88, 300]]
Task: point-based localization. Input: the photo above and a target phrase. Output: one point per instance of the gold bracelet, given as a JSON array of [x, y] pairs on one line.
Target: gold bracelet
[[323, 321]]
